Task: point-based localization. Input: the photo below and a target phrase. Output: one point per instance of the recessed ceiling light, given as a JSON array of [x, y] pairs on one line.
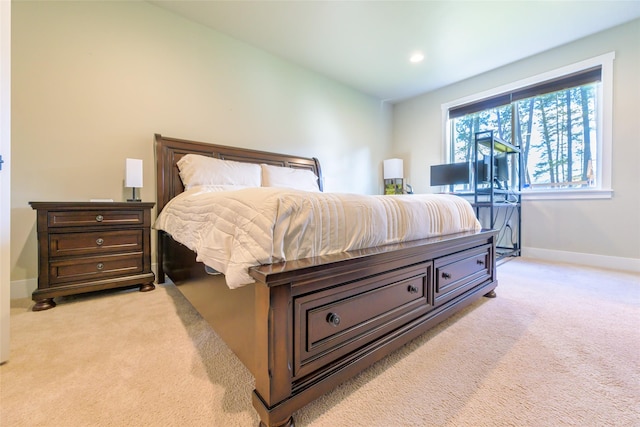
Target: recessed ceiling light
[[416, 57]]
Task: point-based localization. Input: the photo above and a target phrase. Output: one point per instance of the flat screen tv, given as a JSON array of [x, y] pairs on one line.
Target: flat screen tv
[[483, 170], [501, 166], [500, 170], [450, 174]]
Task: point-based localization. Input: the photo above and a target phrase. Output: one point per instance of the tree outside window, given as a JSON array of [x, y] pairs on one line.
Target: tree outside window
[[555, 123]]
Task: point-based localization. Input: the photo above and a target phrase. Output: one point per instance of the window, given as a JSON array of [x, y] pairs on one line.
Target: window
[[561, 120]]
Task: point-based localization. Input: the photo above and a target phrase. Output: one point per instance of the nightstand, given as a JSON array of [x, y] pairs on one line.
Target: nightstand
[[91, 246]]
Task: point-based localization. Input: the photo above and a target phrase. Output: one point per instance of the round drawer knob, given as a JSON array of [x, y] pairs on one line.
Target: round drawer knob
[[334, 319], [99, 241], [446, 276], [99, 218], [413, 289], [100, 266]]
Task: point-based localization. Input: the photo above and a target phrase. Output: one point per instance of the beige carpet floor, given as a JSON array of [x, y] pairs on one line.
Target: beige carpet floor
[[559, 346]]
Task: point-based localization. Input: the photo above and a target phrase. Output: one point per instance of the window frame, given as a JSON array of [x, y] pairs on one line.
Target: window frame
[[603, 189]]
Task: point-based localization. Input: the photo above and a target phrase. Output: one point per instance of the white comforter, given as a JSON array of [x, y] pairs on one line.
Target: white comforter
[[231, 231]]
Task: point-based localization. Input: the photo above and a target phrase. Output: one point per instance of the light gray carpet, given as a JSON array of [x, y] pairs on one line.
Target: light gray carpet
[[560, 345]]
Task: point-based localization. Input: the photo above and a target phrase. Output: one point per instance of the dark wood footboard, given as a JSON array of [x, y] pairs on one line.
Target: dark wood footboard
[[321, 321]]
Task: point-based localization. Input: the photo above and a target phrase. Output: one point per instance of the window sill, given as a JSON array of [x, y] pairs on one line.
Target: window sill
[[567, 194]]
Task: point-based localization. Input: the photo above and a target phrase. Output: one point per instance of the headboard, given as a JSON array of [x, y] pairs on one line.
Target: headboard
[[170, 150]]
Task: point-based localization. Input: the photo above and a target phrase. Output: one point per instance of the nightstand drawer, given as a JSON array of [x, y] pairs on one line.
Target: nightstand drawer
[[94, 268], [74, 244], [97, 218]]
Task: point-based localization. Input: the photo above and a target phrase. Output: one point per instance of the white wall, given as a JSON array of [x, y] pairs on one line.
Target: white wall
[[93, 81], [5, 176], [580, 229]]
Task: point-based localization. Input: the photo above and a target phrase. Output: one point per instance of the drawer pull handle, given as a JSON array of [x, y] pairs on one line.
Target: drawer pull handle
[[480, 262], [99, 241], [100, 266], [99, 218], [413, 289], [446, 276], [334, 319]]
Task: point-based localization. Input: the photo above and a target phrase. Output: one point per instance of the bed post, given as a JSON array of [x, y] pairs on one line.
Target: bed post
[[159, 257], [492, 292], [161, 190], [274, 355]]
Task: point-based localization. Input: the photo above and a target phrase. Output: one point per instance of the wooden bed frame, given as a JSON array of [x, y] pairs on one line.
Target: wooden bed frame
[[306, 326]]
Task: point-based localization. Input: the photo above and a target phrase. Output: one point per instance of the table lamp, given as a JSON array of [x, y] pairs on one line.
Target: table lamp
[[133, 177], [393, 176]]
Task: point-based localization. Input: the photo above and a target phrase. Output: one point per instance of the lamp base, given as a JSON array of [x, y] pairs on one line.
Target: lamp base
[[133, 197], [393, 186]]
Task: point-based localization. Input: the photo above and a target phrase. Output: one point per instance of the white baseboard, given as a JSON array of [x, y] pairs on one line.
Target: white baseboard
[[23, 288], [591, 260]]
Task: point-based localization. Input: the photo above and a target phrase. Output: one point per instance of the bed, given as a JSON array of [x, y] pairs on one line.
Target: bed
[[306, 325]]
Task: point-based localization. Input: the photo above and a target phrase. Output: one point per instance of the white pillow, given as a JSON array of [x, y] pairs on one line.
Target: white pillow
[[202, 170], [216, 188], [298, 179]]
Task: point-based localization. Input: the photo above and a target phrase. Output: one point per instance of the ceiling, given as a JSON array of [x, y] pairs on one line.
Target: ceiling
[[367, 44]]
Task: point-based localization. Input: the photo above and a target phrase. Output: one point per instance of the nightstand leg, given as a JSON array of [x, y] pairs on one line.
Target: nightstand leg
[[147, 287], [44, 304]]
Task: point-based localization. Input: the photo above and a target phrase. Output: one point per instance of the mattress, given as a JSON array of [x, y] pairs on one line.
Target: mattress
[[233, 230]]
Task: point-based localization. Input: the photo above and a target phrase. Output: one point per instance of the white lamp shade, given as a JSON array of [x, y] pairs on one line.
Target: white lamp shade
[[393, 168], [133, 173]]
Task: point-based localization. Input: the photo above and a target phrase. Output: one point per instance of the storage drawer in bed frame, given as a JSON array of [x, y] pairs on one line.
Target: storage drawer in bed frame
[[460, 272], [336, 321], [340, 318]]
